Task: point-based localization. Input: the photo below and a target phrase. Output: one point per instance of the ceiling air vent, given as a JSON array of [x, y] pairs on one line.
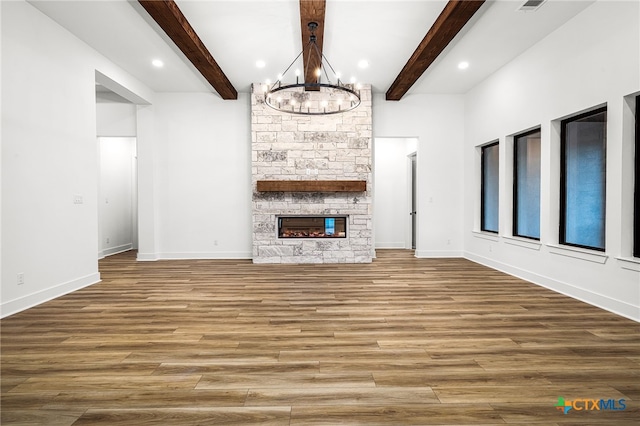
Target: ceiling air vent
[[531, 5]]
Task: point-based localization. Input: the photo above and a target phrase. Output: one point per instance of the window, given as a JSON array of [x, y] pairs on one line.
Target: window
[[526, 185], [636, 208], [489, 187], [583, 179]]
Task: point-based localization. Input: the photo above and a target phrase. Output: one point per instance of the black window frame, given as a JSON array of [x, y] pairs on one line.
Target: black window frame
[[636, 202], [515, 183], [563, 177], [482, 188]]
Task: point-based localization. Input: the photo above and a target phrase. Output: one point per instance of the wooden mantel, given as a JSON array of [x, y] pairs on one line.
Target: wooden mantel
[[312, 185]]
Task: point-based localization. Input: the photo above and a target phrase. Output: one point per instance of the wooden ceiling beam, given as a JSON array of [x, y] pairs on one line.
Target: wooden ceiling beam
[[311, 11], [453, 18], [170, 18]]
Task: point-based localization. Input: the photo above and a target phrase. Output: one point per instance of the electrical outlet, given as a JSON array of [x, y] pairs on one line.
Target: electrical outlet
[[21, 278], [107, 240], [77, 199], [215, 242]]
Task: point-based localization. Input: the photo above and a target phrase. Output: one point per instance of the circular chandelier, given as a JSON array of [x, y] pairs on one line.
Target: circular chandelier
[[319, 97]]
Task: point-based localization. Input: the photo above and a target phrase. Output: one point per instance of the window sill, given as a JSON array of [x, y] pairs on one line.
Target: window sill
[[578, 253], [631, 263], [486, 236], [523, 242]]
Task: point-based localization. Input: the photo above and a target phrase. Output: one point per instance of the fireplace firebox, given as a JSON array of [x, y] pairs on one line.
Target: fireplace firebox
[[312, 227]]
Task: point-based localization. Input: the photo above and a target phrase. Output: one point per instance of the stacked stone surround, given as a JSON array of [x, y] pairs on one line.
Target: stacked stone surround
[[301, 147]]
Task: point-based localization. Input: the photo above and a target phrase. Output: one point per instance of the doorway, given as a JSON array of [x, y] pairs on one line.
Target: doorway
[[118, 201], [394, 195], [413, 202], [117, 148]]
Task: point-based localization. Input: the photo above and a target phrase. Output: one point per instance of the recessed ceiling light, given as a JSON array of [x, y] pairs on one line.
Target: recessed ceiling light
[[363, 64], [463, 65], [261, 64], [157, 63]]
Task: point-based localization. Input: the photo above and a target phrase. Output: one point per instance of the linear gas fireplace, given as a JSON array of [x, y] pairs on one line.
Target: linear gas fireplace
[[312, 227]]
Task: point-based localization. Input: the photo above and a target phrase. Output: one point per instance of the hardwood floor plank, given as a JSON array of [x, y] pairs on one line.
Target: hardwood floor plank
[[458, 378], [342, 396], [276, 416], [78, 383], [147, 398], [426, 414], [529, 413], [286, 380], [540, 393], [39, 417]]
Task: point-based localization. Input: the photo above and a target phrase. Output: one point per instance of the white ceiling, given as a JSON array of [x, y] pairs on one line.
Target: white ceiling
[[240, 32]]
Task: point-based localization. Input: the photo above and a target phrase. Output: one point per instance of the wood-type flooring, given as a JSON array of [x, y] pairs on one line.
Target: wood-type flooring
[[401, 341]]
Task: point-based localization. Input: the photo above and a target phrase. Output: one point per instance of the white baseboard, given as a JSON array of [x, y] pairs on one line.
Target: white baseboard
[[114, 250], [438, 253], [203, 255], [601, 301], [147, 257], [390, 245], [25, 302]]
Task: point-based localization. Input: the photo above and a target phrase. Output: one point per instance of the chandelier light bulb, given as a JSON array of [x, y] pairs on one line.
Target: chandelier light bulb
[[318, 72], [297, 73], [279, 77]]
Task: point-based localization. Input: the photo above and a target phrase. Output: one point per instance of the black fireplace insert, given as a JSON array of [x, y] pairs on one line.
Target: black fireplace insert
[[312, 227]]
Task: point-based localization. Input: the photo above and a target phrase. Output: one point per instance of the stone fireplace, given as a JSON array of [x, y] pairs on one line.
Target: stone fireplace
[[311, 167]]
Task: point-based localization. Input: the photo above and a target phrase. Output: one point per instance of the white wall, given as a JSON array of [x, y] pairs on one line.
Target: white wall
[[49, 157], [437, 122], [592, 60], [115, 119], [392, 192], [202, 177]]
